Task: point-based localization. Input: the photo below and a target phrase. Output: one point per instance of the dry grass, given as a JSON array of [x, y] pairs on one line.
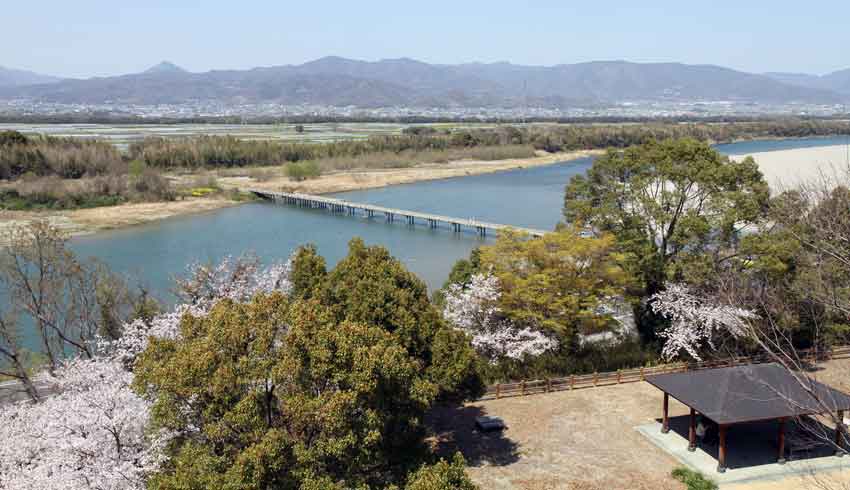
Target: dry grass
[[583, 439], [373, 178], [578, 440]]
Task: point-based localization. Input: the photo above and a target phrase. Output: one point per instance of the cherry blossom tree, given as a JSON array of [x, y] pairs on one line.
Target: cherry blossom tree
[[91, 434], [474, 309], [237, 279], [92, 431], [695, 321]]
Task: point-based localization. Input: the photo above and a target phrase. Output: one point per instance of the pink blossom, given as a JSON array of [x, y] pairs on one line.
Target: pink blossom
[[473, 309], [91, 434]]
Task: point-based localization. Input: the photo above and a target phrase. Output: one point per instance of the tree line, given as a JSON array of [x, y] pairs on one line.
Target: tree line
[[50, 172]]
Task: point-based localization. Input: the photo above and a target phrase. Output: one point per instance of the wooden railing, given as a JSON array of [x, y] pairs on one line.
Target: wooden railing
[[575, 382]]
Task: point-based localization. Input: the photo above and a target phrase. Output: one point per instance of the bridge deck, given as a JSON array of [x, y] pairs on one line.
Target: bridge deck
[[343, 206]]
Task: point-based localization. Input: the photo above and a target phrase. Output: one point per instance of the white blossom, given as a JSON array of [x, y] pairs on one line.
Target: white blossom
[[235, 279], [473, 309], [90, 434], [695, 320]]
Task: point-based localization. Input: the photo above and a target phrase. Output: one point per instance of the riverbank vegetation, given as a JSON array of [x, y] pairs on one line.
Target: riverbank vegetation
[[434, 145], [41, 172], [64, 173]]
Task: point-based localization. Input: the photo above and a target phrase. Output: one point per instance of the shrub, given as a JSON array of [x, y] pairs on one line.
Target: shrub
[[303, 170], [151, 186], [442, 476], [9, 138], [694, 480]]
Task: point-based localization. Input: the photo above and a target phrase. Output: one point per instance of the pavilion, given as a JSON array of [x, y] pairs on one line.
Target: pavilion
[[748, 393]]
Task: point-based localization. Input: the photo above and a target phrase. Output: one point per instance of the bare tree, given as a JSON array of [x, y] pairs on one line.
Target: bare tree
[[793, 318], [60, 305], [13, 359]]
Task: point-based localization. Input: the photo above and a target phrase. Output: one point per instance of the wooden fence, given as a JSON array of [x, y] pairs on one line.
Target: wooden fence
[[547, 385]]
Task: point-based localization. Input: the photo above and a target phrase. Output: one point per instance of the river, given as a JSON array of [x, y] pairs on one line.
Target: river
[[533, 197]]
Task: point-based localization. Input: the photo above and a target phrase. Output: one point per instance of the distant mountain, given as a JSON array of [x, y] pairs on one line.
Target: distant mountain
[[838, 81], [395, 82], [13, 78], [165, 67]]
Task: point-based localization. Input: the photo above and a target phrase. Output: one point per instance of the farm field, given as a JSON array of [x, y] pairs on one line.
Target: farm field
[[122, 135]]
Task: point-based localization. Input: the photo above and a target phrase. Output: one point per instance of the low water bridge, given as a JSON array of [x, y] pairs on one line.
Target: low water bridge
[[390, 214]]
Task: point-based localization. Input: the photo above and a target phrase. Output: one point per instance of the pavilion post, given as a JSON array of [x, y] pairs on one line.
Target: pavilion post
[[839, 448], [781, 457], [721, 452], [665, 420], [692, 432]]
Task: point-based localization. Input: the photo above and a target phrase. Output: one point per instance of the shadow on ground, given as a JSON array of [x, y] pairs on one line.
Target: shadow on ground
[[757, 443], [454, 430]]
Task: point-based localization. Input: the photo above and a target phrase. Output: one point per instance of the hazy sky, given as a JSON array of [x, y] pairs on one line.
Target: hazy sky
[[82, 38]]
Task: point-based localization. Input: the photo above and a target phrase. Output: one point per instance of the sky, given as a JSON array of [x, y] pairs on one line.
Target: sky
[[83, 38]]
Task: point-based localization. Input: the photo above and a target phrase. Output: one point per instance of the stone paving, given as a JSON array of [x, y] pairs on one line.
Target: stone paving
[[751, 454]]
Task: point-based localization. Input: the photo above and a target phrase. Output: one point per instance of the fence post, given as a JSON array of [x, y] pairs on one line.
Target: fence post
[[498, 391], [619, 377], [548, 385], [642, 378], [595, 378], [572, 381], [523, 387]]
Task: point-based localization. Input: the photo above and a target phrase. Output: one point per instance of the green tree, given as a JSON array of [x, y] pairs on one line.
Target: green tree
[[665, 201], [308, 271], [281, 395], [370, 286], [557, 282], [442, 476], [312, 392]]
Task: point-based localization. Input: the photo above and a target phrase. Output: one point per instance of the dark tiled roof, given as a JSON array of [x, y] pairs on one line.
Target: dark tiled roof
[[749, 393]]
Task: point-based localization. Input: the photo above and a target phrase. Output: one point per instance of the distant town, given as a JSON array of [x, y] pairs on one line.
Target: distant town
[[26, 107]]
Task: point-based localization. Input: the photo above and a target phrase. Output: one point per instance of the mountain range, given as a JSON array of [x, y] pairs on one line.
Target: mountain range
[[336, 81], [14, 78], [838, 81]]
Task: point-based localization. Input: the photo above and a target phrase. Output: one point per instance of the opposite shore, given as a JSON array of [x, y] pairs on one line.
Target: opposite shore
[[86, 221], [782, 169]]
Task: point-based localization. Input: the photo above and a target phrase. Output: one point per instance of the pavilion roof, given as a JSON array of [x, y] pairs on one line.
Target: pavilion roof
[[749, 393]]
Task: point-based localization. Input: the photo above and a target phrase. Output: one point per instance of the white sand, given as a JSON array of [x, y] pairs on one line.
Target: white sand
[[785, 169]]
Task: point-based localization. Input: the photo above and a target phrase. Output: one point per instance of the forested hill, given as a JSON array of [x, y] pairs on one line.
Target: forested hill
[[405, 82]]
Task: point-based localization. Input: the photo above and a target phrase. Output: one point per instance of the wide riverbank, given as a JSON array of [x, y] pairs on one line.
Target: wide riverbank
[[786, 169], [362, 179], [87, 221]]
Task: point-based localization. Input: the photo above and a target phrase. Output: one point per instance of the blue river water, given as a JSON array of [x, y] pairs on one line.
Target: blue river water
[[154, 253]]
